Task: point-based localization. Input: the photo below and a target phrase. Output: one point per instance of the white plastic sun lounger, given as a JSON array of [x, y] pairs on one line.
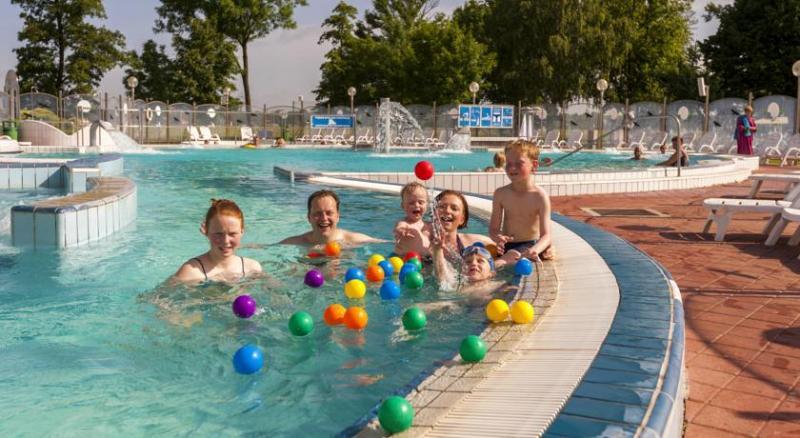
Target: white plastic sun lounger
[[787, 215], [706, 142], [721, 210], [550, 139], [792, 147], [573, 140], [758, 179], [206, 135]]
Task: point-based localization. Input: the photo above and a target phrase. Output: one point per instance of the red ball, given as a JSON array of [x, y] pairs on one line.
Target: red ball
[[410, 255], [424, 170]]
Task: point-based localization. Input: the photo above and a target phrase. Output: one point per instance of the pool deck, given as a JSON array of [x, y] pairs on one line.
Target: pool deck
[[742, 303]]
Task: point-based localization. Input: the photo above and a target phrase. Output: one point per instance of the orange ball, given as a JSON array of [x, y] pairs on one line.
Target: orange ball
[[375, 274], [333, 249], [334, 314], [355, 318]]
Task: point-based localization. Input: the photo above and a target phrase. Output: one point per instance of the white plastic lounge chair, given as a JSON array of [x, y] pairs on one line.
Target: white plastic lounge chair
[[654, 140], [706, 142], [721, 210], [787, 215], [758, 179], [550, 139], [365, 138], [769, 145], [194, 135], [247, 134], [206, 135], [635, 138], [688, 141], [792, 148], [573, 140]]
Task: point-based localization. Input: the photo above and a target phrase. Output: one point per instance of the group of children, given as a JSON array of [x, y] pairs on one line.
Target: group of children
[[519, 227]]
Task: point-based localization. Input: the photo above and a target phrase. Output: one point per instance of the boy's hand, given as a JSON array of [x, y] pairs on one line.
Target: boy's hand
[[501, 240], [531, 255]]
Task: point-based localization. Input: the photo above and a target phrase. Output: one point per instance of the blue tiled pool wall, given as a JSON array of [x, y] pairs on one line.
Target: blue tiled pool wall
[[55, 174], [622, 388]]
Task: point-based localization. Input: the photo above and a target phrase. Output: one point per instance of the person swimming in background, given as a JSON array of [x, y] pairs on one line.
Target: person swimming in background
[[323, 216], [637, 153], [499, 163], [412, 233], [224, 228], [677, 144]]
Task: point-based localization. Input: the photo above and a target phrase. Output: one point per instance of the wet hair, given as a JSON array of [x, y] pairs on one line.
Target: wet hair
[[499, 159], [321, 194], [460, 196], [224, 207], [409, 188], [678, 139], [525, 147]]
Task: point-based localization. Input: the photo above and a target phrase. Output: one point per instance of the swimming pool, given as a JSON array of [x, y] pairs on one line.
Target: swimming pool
[[86, 350]]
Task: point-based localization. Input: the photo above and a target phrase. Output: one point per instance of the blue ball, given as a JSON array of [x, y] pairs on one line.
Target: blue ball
[[523, 267], [248, 359], [388, 269], [354, 274], [390, 290], [408, 267]]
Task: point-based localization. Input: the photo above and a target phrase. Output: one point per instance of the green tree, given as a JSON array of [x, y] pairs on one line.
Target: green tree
[[63, 51], [754, 48], [239, 21], [155, 71]]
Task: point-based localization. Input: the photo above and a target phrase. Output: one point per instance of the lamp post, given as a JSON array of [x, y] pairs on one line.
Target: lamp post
[[796, 73], [602, 86], [226, 99], [473, 88], [302, 118], [351, 91], [132, 83]]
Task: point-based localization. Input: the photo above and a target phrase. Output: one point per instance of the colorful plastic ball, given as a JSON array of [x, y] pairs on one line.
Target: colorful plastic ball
[[397, 263], [315, 255], [244, 306], [522, 312], [424, 170], [523, 267], [375, 274], [388, 269], [355, 289], [415, 261], [374, 259], [497, 310], [390, 290], [395, 414], [334, 314], [248, 359], [301, 324], [472, 349], [414, 319], [355, 318], [414, 280], [314, 278], [333, 249], [405, 270], [410, 255], [354, 274]]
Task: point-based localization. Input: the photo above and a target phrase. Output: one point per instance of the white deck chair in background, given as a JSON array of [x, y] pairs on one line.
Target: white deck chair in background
[[655, 139], [768, 145], [573, 140], [758, 179], [721, 210], [194, 135], [792, 148], [635, 138], [688, 141], [787, 215], [206, 135], [550, 139], [706, 142], [246, 133]]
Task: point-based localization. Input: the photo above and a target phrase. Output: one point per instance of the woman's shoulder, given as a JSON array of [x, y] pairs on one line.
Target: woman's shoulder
[[470, 238], [252, 265]]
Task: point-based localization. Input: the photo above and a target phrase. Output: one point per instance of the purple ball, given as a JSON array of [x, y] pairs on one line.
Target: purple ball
[[314, 278], [244, 306]]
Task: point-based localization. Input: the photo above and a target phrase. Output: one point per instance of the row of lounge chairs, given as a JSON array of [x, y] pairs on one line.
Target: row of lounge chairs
[[203, 135], [345, 136]]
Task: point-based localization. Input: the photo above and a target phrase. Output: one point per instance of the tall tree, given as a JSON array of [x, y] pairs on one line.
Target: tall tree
[[63, 51], [155, 71], [755, 46], [240, 21]]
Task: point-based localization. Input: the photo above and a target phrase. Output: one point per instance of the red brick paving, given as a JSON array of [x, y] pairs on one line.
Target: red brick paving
[[742, 305]]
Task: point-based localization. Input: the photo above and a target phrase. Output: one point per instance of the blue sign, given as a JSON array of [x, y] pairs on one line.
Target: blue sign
[[486, 116], [331, 122]]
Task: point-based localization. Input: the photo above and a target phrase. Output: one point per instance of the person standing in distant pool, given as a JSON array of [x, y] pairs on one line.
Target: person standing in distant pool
[[745, 130]]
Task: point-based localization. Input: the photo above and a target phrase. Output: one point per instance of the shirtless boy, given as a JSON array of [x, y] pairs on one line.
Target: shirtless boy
[[323, 215], [412, 233], [520, 223]]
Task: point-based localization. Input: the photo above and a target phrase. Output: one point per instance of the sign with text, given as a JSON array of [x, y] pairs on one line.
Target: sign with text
[[486, 116], [331, 122]]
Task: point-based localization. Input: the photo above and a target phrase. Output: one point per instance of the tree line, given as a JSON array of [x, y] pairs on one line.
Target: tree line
[[517, 50]]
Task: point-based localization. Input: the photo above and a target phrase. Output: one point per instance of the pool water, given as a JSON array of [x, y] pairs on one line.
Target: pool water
[[92, 343]]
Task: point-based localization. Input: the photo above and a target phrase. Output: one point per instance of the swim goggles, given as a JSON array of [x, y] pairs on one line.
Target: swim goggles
[[478, 248]]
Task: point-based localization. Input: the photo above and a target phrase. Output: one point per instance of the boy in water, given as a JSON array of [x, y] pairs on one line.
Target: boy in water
[[520, 223], [412, 233]]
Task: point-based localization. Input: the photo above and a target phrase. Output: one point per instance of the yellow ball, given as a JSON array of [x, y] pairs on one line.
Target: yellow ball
[[522, 312], [355, 289], [374, 259], [397, 263], [497, 310]]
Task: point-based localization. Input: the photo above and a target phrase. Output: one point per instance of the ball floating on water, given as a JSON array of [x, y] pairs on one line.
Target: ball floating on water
[[397, 263], [390, 290], [334, 314], [472, 349], [388, 269], [244, 306], [333, 249], [354, 274], [248, 359], [414, 319], [424, 170], [415, 262], [414, 280], [355, 289], [405, 270], [523, 267], [497, 310], [314, 278], [374, 259], [375, 274], [355, 318], [395, 414], [522, 312], [410, 255], [301, 324]]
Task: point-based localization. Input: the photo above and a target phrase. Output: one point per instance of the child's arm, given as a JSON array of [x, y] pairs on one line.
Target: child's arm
[[544, 229], [445, 273], [496, 223]]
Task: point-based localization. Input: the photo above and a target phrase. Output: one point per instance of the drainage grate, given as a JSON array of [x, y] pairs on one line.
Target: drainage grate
[[623, 212]]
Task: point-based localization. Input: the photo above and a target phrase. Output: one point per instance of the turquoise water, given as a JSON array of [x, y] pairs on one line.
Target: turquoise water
[[87, 347]]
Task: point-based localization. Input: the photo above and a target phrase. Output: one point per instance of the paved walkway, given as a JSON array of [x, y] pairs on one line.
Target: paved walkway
[[742, 302]]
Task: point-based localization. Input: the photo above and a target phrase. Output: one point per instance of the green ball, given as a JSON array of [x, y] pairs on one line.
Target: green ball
[[414, 280], [472, 349], [414, 319], [301, 324], [415, 261], [396, 414]]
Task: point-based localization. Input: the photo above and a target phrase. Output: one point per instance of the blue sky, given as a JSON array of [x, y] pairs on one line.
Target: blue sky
[[284, 65]]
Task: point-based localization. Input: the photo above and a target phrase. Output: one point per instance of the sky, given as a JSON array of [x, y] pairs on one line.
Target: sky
[[283, 65]]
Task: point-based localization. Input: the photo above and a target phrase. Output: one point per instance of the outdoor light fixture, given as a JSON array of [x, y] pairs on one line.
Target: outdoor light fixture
[[796, 72], [351, 91], [602, 86], [473, 88]]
